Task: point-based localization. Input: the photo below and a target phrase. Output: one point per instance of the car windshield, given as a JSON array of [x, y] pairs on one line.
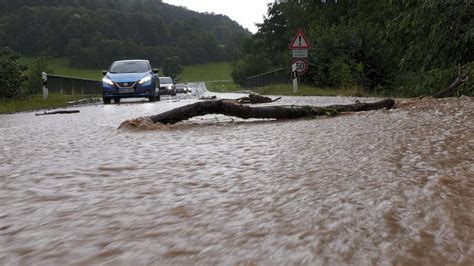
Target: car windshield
[[129, 67], [166, 80]]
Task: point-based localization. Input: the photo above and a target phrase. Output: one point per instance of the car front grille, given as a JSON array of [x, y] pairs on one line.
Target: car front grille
[[125, 84]]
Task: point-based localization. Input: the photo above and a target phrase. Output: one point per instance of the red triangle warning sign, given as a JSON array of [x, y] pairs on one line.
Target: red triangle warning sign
[[300, 41]]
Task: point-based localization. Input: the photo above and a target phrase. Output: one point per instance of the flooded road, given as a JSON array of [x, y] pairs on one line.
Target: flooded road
[[380, 187]]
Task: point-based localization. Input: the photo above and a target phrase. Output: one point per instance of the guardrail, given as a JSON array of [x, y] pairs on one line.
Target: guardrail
[[277, 76], [73, 86]]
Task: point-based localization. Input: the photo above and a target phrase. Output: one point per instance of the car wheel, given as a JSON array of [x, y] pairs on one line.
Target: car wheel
[[107, 100], [158, 97], [116, 100], [152, 99]]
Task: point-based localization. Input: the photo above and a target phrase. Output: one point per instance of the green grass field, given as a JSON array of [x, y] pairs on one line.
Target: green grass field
[[203, 72], [305, 90], [223, 86], [36, 103], [218, 73], [285, 89], [206, 72], [60, 66]]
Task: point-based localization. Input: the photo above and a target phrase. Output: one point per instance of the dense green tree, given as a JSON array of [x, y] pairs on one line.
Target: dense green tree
[[172, 67], [410, 45], [70, 28], [10, 74], [73, 50], [157, 54], [434, 33], [34, 81], [430, 39], [2, 37]]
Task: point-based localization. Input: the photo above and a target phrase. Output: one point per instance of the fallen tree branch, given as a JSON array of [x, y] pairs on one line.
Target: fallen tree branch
[[60, 112], [255, 98], [451, 88], [460, 79], [230, 108]]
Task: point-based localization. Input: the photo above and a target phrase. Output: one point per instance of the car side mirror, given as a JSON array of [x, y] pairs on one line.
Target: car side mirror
[[156, 70], [104, 73]]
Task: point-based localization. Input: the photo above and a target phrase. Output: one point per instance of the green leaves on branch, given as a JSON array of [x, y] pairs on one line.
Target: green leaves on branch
[[11, 78], [411, 46], [16, 80], [94, 33], [34, 81], [431, 34], [172, 67]]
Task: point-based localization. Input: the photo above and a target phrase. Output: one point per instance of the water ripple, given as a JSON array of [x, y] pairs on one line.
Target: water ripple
[[380, 187]]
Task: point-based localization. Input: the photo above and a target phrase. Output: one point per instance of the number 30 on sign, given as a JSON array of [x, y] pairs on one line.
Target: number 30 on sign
[[301, 65]]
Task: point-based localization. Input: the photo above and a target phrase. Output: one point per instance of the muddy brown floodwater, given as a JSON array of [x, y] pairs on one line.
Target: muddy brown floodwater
[[382, 187]]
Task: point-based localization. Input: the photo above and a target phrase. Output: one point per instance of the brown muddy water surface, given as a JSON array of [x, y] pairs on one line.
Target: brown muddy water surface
[[379, 187]]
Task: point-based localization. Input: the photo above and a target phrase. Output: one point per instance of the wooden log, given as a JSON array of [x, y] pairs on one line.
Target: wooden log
[[60, 112], [255, 99], [230, 108], [451, 89]]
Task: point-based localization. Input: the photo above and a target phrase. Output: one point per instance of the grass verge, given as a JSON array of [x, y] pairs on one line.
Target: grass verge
[[220, 80], [286, 89], [60, 66], [36, 103], [305, 90], [201, 72], [223, 86], [206, 72]]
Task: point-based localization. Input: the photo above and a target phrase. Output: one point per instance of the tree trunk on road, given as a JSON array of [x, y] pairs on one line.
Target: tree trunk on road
[[231, 108]]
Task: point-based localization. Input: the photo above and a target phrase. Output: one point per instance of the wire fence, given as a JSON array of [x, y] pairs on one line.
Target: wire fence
[[277, 76], [73, 86]]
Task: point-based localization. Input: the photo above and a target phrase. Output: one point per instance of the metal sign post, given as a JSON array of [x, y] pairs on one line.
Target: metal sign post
[[302, 65], [300, 41], [45, 85], [299, 47], [300, 53], [295, 78]]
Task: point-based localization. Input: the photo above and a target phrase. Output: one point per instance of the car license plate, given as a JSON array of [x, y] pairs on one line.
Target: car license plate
[[126, 90]]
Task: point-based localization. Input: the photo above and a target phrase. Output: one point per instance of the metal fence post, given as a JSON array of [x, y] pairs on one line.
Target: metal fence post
[[45, 85], [295, 78]]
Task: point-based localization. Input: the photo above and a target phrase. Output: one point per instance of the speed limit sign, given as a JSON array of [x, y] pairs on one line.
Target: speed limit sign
[[301, 65]]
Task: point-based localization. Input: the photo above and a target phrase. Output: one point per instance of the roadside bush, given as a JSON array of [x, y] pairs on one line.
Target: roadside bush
[[346, 55], [10, 74], [468, 87], [172, 67], [341, 74], [248, 66], [34, 81], [411, 84]]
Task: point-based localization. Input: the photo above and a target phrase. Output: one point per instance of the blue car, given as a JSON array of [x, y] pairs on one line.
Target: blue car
[[130, 79]]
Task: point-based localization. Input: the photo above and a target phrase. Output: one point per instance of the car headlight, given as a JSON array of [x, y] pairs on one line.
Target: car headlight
[[145, 80], [170, 87], [107, 81]]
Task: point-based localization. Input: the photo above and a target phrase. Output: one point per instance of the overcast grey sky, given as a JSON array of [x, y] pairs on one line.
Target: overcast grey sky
[[245, 12]]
